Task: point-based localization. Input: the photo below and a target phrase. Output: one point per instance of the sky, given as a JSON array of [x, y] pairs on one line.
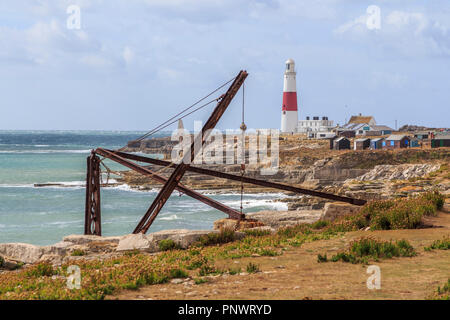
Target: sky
[[131, 65]]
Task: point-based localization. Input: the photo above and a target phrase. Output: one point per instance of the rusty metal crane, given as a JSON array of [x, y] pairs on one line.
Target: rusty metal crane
[[93, 208]]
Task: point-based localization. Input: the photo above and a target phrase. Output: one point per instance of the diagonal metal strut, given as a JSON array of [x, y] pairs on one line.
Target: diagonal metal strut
[[181, 168], [254, 181], [213, 203]]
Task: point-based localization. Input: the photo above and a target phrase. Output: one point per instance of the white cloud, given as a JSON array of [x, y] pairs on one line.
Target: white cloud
[[408, 33]]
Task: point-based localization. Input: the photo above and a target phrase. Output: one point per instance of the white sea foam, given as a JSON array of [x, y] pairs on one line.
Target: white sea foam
[[85, 151], [170, 218]]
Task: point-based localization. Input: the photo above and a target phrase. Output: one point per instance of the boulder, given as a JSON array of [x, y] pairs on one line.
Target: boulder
[[84, 239], [280, 219], [333, 210], [183, 237], [236, 224], [59, 248], [166, 234], [136, 242], [54, 259], [22, 252]]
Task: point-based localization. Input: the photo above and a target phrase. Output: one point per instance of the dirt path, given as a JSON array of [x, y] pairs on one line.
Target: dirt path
[[297, 274]]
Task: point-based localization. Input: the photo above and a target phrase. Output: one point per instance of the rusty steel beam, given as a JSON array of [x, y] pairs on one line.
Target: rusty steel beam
[[258, 182], [181, 168], [92, 213], [234, 214]]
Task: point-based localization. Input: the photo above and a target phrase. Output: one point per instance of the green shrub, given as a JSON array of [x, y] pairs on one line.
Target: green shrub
[[168, 244], [252, 268], [434, 197], [320, 224], [197, 262], [322, 258], [200, 280], [232, 271], [443, 244], [224, 236], [444, 292], [364, 249], [206, 270], [257, 232], [178, 273], [43, 269], [78, 253], [268, 252], [398, 214]]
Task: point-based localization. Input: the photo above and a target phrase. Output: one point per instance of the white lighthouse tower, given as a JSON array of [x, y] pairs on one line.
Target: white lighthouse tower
[[289, 113]]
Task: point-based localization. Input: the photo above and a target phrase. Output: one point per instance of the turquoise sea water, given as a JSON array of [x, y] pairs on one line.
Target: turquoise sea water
[[43, 215]]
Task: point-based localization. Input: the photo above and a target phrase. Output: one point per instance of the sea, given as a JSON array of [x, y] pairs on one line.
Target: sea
[[44, 215]]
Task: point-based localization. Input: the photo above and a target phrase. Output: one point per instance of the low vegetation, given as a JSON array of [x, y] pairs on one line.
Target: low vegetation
[[398, 213], [224, 236], [136, 269], [252, 268], [78, 253], [443, 244], [442, 293], [365, 249], [168, 244]]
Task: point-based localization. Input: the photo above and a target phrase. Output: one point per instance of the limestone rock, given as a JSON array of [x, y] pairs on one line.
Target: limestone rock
[[22, 252], [280, 219], [333, 210], [83, 239], [136, 242], [59, 248], [226, 224], [398, 172], [167, 234], [233, 224], [55, 259]]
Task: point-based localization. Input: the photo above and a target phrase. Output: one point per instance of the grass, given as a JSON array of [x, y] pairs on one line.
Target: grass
[[44, 269], [365, 249], [443, 244], [78, 253], [399, 213], [168, 244], [257, 232], [223, 236], [234, 271], [443, 293], [134, 270], [200, 280], [252, 268]]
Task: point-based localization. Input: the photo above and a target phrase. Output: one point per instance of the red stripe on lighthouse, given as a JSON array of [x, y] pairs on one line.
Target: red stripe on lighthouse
[[289, 101]]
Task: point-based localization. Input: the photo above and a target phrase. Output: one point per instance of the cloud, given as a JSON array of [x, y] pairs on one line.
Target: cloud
[[407, 33]]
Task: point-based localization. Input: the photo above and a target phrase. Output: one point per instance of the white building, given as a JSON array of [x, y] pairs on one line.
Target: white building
[[315, 125]]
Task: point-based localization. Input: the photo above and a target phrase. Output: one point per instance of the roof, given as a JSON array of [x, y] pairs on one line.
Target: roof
[[341, 138], [380, 128], [442, 136], [396, 137], [361, 119], [377, 139], [362, 139], [354, 126]]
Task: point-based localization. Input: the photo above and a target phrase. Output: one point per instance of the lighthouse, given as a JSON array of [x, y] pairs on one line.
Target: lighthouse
[[289, 113]]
